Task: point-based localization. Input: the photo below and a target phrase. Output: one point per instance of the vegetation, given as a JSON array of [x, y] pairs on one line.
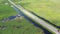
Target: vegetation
[[6, 10], [23, 27]]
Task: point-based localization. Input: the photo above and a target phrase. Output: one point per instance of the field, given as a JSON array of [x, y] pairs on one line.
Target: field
[[25, 27], [48, 9]]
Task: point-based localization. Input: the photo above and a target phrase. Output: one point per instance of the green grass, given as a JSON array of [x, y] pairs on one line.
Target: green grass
[[48, 9], [27, 27], [6, 10]]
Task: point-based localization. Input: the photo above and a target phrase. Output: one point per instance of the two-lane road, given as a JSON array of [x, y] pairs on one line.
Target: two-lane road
[[35, 18]]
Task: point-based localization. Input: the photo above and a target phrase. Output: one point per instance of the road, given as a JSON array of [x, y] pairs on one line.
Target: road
[[35, 18]]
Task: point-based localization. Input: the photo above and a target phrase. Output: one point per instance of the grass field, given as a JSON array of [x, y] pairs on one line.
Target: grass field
[[48, 9], [26, 27], [6, 10]]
